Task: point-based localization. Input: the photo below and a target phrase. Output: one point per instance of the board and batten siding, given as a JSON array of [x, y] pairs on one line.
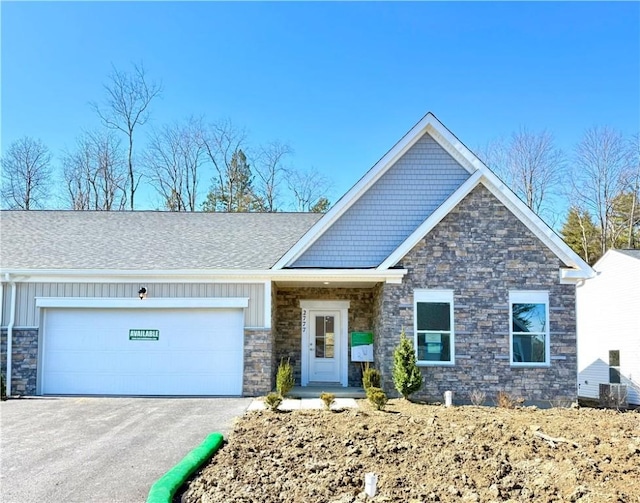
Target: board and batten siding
[[27, 314], [384, 216], [608, 319]]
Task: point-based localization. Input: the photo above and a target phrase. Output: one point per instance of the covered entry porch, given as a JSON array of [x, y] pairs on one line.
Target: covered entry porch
[[313, 322]]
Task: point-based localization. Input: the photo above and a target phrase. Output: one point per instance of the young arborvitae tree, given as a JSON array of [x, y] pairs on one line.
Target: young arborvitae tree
[[406, 374]]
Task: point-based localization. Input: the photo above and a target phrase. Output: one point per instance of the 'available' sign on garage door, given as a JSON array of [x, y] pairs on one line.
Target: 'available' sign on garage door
[[144, 334]]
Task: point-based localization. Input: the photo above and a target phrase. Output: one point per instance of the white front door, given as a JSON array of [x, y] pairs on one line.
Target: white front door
[[325, 343]]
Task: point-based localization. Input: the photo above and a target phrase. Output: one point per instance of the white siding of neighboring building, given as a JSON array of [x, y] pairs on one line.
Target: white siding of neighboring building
[[608, 318], [27, 314]]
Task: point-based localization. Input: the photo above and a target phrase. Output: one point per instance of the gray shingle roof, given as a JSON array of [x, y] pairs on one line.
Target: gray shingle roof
[[631, 253], [147, 240]]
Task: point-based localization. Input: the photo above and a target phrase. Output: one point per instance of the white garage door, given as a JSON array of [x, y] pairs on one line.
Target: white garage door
[[143, 351]]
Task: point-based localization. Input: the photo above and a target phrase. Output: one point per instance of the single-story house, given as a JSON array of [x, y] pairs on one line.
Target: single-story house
[[608, 310], [429, 240]]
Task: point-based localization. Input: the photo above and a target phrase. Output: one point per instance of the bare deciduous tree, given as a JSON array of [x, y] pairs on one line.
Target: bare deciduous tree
[[174, 157], [600, 175], [309, 189], [26, 174], [270, 171], [634, 188], [95, 173], [530, 164], [128, 97]]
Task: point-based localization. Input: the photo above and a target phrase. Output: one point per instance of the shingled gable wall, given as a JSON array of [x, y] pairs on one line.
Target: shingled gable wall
[[480, 250]]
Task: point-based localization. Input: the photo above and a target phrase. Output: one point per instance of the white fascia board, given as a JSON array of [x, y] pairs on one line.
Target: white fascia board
[[392, 276], [454, 147], [160, 303], [433, 220], [106, 276], [428, 124], [536, 225]]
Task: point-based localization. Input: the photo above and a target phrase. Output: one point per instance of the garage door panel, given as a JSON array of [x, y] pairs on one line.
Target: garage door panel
[[88, 351]]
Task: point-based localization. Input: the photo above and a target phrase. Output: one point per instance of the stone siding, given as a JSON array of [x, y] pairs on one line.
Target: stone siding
[[481, 251], [24, 360], [258, 362], [288, 325]]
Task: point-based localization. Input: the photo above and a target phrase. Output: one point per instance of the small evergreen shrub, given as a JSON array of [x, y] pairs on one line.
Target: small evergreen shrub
[[377, 397], [284, 378], [3, 388], [328, 399], [406, 374], [273, 401], [371, 378]]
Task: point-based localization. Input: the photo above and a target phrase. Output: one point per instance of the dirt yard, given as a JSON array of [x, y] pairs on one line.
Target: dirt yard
[[424, 453]]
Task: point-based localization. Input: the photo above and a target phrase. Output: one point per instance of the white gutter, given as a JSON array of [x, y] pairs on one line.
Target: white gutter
[[12, 321], [569, 276]]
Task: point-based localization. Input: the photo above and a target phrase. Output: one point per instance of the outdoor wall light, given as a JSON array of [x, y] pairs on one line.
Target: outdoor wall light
[[142, 293]]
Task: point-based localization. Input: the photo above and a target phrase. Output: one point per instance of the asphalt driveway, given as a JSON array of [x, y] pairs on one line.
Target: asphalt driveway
[[78, 449]]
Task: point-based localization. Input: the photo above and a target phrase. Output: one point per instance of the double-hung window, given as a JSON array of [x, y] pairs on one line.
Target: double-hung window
[[529, 328], [433, 327]]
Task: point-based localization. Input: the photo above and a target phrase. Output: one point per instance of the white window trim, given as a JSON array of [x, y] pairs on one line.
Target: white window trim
[[434, 296], [530, 297]]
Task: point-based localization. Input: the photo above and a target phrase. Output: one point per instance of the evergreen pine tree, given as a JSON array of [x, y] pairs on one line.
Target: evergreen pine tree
[[581, 234], [406, 374]]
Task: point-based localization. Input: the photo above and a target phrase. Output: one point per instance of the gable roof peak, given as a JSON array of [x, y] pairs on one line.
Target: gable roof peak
[[428, 124]]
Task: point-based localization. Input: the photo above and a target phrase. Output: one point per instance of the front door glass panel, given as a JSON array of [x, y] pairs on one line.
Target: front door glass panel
[[325, 336]]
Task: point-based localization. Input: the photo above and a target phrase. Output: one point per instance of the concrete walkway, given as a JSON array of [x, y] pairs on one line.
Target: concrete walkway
[[305, 403]]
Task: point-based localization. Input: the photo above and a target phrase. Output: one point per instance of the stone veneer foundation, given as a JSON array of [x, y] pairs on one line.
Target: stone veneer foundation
[[24, 360], [481, 251], [258, 362]]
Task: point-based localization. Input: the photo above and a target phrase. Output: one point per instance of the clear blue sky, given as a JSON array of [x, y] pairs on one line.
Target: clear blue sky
[[339, 82]]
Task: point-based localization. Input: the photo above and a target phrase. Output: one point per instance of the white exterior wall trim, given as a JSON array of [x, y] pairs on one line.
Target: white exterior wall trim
[[10, 326], [160, 303], [267, 304]]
